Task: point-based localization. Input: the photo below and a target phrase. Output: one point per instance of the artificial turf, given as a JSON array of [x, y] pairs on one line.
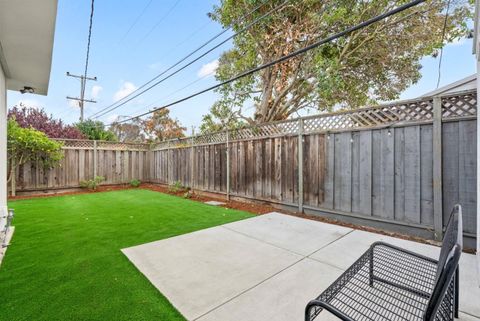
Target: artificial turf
[[64, 262]]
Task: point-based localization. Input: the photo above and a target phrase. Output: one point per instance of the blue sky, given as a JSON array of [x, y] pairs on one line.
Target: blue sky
[[124, 61]]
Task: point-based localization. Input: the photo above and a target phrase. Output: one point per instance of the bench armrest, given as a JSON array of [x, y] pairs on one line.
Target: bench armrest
[[324, 305]]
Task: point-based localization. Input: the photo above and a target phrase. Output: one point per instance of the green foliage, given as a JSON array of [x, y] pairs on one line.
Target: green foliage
[[373, 64], [221, 117], [176, 187], [187, 194], [92, 184], [30, 145], [135, 183], [95, 130]]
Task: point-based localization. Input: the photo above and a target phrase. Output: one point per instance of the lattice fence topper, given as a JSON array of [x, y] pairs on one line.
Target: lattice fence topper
[[122, 146], [460, 105], [77, 143], [453, 106], [456, 105], [101, 145]]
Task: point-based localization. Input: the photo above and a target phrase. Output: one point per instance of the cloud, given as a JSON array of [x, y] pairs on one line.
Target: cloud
[[208, 69], [96, 91], [126, 89]]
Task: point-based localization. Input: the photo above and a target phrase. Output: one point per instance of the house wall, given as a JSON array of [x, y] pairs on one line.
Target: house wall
[[3, 149]]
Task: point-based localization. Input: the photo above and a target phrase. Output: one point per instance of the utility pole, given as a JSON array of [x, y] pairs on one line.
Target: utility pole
[[81, 100]]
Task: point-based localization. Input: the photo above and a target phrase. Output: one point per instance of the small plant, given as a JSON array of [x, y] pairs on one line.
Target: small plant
[[135, 183], [92, 183], [176, 187], [187, 194]]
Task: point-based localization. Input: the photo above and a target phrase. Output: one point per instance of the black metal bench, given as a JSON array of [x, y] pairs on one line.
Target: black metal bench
[[392, 283]]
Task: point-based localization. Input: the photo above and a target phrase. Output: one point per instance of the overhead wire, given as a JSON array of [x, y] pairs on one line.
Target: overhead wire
[[160, 21], [286, 57], [440, 58], [136, 21], [109, 107]]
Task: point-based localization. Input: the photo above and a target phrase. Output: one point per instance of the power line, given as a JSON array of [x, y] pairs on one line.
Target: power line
[[443, 39], [287, 57], [159, 21], [83, 78], [136, 20], [193, 61], [177, 63], [173, 93]]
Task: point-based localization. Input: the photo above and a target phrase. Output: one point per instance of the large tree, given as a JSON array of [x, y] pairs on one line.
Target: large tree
[[372, 64]]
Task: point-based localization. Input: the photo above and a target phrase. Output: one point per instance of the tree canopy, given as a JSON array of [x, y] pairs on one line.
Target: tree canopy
[[160, 126], [373, 64], [95, 130]]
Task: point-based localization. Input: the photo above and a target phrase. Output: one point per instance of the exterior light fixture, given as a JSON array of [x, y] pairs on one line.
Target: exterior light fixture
[[27, 90]]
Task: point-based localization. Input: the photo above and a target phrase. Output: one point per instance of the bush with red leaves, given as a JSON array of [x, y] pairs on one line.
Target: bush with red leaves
[[37, 118]]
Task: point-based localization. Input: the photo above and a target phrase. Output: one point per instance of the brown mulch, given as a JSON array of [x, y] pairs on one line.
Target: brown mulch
[[254, 207]]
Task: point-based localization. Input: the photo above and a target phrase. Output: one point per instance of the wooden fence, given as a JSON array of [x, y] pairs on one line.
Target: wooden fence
[[84, 159], [405, 163]]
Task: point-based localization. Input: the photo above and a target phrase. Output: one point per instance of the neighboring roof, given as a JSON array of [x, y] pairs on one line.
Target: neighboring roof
[[466, 83], [26, 42]]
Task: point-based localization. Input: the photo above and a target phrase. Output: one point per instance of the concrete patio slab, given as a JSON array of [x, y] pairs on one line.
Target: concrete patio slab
[[291, 233], [282, 297], [199, 271], [348, 249], [268, 267]]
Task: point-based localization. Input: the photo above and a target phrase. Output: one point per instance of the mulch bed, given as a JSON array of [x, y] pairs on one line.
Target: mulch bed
[[253, 207]]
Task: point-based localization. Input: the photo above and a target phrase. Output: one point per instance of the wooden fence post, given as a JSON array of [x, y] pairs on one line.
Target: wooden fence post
[[437, 169], [300, 165], [94, 159], [228, 166], [192, 161]]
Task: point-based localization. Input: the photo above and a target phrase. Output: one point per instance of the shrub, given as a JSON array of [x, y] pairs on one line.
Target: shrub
[[135, 183], [176, 187], [28, 117], [92, 183], [29, 145]]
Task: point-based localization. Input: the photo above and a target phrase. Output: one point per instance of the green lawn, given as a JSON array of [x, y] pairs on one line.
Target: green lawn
[[65, 261]]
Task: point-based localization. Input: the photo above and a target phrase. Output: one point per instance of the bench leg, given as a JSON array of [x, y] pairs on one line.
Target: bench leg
[[456, 290], [308, 311], [371, 268]]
